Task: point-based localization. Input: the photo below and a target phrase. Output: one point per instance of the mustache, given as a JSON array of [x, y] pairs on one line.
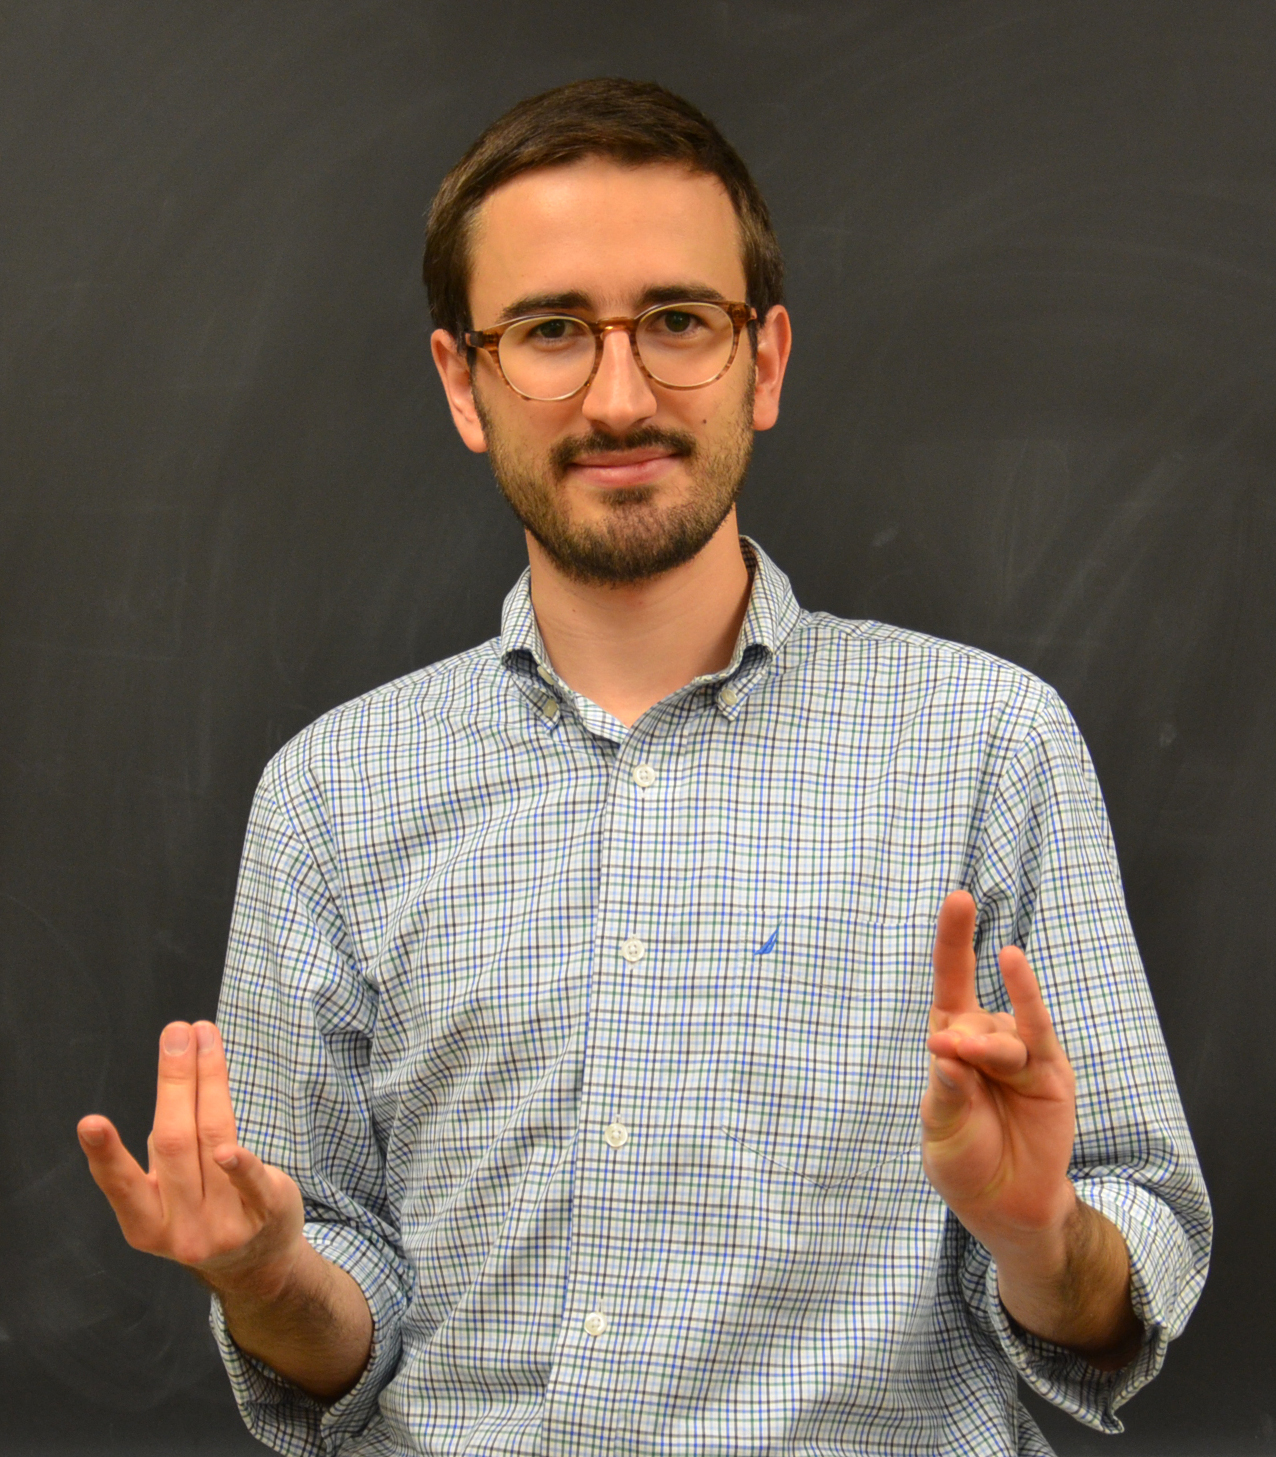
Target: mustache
[[648, 437]]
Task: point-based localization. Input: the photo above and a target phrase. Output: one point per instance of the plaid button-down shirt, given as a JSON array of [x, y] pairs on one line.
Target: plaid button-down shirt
[[597, 1053]]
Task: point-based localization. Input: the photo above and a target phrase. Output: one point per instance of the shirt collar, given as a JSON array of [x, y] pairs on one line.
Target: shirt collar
[[773, 614]]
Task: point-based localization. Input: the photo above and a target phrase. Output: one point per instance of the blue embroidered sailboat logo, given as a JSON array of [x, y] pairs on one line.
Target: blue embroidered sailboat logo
[[769, 944]]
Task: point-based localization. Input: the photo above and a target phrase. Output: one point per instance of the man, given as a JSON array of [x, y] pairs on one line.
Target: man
[[578, 990]]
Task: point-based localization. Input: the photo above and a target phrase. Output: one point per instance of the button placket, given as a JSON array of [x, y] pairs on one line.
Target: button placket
[[611, 1193]]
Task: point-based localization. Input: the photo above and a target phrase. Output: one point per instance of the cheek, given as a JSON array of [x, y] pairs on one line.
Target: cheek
[[522, 434]]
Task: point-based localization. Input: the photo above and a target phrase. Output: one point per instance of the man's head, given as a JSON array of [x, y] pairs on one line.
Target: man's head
[[596, 202]]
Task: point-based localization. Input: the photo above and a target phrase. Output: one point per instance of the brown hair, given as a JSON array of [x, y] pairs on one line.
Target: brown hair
[[631, 121]]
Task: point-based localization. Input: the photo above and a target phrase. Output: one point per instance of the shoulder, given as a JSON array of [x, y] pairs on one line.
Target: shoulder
[[899, 670], [391, 727]]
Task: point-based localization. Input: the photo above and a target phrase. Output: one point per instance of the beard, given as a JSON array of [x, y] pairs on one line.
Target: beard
[[638, 538]]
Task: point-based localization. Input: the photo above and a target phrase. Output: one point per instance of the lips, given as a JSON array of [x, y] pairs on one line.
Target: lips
[[641, 458], [624, 467]]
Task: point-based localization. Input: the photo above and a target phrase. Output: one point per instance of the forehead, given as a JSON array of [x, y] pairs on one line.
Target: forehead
[[603, 230]]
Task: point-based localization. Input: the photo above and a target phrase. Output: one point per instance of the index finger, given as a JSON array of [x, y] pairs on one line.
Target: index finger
[[173, 1143], [954, 955], [214, 1115]]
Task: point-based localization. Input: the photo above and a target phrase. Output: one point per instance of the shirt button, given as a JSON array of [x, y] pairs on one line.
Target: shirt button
[[550, 707], [616, 1135], [644, 776], [595, 1322], [728, 698], [545, 675], [633, 949]]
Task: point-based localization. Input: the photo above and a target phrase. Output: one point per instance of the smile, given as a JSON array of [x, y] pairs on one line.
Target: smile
[[624, 468]]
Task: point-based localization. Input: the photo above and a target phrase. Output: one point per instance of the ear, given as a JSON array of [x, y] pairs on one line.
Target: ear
[[458, 386], [775, 339]]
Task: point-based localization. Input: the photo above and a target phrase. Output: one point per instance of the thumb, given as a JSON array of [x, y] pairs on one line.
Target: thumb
[[950, 1091]]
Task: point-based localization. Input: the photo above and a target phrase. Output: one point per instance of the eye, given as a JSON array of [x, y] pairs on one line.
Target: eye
[[678, 321], [550, 329]]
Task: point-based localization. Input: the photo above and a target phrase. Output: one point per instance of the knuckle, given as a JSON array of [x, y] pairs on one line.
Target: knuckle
[[140, 1236], [116, 1189], [171, 1143], [189, 1251], [204, 1246]]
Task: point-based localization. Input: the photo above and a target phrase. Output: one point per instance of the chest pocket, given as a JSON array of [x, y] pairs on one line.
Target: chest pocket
[[826, 1049]]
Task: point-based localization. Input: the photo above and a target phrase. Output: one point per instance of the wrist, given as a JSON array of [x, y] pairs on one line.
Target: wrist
[[1037, 1240], [257, 1278], [1070, 1285], [307, 1319]]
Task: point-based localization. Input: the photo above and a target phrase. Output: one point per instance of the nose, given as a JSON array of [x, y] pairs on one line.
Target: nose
[[620, 394]]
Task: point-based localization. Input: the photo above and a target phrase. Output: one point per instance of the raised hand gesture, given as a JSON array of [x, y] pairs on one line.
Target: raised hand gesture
[[998, 1124], [204, 1201], [212, 1206], [999, 1115]]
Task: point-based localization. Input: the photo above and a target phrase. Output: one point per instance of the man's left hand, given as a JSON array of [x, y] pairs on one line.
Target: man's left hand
[[998, 1125], [999, 1114]]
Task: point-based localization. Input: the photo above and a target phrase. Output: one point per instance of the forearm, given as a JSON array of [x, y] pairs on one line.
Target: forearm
[[1071, 1286], [310, 1323]]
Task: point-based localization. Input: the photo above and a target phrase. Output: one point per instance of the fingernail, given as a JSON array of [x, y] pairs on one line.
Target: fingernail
[[177, 1039], [945, 1079], [203, 1036], [95, 1138], [231, 1161]]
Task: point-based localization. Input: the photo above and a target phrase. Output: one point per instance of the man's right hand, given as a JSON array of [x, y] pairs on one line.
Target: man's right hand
[[205, 1202], [238, 1223]]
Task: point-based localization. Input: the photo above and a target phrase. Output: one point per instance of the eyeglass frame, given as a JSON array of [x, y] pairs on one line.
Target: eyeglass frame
[[489, 340]]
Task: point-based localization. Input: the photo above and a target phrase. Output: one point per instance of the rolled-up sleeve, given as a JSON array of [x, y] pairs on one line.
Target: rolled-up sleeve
[[297, 1016], [1047, 880]]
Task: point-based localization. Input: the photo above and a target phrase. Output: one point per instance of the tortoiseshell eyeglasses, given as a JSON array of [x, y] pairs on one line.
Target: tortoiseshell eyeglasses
[[682, 346]]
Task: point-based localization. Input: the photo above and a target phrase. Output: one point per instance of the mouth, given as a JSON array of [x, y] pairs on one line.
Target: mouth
[[625, 467]]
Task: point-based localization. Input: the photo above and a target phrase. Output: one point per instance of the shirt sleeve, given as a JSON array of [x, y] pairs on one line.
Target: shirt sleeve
[[1046, 878], [297, 1017]]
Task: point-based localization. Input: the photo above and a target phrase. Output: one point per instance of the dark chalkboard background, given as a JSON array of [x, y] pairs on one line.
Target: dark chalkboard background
[[1032, 253]]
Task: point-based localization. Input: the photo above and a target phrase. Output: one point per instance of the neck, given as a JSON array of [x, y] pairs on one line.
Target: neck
[[627, 647]]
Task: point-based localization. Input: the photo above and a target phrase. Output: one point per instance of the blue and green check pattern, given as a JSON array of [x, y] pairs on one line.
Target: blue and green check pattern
[[597, 1052]]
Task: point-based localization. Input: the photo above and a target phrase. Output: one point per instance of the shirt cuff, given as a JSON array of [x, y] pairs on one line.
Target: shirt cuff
[[282, 1415], [1161, 1268]]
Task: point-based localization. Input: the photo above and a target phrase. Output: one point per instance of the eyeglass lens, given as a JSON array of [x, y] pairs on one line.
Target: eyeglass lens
[[684, 345]]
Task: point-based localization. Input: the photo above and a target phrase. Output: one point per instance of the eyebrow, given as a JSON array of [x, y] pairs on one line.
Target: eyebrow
[[576, 301]]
